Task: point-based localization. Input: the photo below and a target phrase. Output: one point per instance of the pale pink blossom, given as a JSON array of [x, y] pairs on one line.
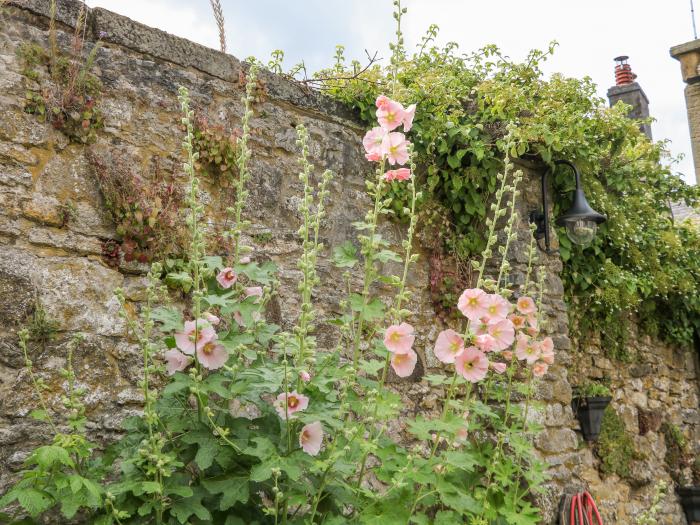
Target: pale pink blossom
[[395, 148], [293, 402], [404, 363], [212, 355], [486, 343], [480, 326], [399, 338], [499, 368], [472, 303], [382, 101], [448, 345], [390, 114], [372, 141], [176, 361], [304, 376], [253, 291], [398, 174], [517, 320], [526, 305], [497, 307], [213, 320], [373, 157], [408, 115], [503, 332], [527, 349], [547, 347], [539, 369], [311, 438], [194, 335], [472, 364], [507, 355], [227, 277]]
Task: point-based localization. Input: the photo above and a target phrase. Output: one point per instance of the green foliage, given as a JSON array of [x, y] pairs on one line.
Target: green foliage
[[640, 266], [592, 389], [615, 445], [217, 151], [41, 327], [679, 455], [63, 91]]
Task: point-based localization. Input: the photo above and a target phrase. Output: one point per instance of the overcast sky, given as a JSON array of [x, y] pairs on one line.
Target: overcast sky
[[590, 33]]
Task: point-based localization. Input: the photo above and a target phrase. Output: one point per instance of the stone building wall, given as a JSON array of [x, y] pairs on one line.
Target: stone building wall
[[47, 261]]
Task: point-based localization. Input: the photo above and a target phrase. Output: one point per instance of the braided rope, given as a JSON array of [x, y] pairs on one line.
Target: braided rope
[[219, 16]]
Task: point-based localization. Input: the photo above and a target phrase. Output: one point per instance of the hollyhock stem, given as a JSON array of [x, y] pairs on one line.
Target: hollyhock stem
[[23, 339]]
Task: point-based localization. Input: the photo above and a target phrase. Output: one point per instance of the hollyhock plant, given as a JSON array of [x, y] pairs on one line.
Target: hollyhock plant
[[390, 114], [287, 404], [194, 335], [227, 277], [175, 361], [527, 349], [399, 174], [311, 438], [212, 355], [472, 364], [526, 305], [399, 339], [503, 333], [404, 363], [449, 344], [472, 303], [395, 148]]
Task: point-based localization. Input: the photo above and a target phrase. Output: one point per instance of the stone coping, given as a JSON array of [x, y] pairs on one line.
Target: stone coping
[[688, 47], [122, 31]]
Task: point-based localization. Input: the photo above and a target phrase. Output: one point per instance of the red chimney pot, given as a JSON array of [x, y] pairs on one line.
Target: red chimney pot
[[623, 71]]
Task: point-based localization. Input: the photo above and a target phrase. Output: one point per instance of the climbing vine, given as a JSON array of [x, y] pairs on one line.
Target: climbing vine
[[642, 265]]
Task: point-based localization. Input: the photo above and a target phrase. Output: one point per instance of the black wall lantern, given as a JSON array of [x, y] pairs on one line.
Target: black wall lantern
[[581, 221]]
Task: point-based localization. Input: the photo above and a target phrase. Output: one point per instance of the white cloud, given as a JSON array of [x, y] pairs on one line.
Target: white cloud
[[590, 34]]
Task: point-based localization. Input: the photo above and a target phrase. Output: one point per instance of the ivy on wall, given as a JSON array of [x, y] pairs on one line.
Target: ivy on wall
[[641, 265]]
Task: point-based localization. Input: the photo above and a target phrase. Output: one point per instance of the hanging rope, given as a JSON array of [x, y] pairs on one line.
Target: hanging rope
[[579, 509]]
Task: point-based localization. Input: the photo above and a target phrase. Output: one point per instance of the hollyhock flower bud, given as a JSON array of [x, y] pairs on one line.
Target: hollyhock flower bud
[[395, 148], [212, 355], [304, 376], [507, 355], [311, 438], [472, 304], [293, 401], [175, 361], [404, 363], [194, 335], [253, 291], [213, 320], [227, 277], [245, 259], [399, 339], [448, 345], [499, 368], [472, 364]]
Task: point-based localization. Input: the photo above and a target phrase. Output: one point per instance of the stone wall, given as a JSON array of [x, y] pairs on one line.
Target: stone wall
[[59, 265]]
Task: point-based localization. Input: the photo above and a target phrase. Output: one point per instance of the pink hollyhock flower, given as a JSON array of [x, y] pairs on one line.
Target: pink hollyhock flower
[[304, 376], [507, 355], [175, 361], [395, 148], [499, 368], [526, 305], [479, 327], [213, 320], [227, 277], [408, 115], [399, 174], [472, 303], [293, 401], [399, 338], [517, 320], [212, 355], [527, 349], [253, 291], [373, 157], [539, 369], [404, 363], [503, 332], [185, 340], [472, 364], [486, 343], [390, 114], [382, 101], [372, 141], [311, 438], [497, 307], [448, 346], [547, 347]]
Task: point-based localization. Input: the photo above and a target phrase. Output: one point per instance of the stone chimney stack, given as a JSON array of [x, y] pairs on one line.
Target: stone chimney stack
[[688, 55], [630, 92]]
